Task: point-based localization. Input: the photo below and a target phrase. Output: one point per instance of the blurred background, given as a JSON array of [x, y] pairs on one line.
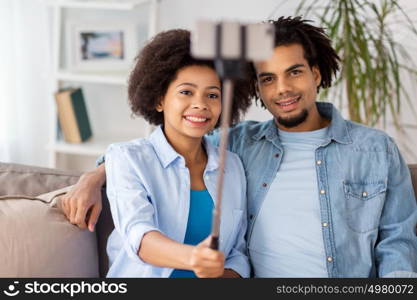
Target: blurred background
[[47, 46]]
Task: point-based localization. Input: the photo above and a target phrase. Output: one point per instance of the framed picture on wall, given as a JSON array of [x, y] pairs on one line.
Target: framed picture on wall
[[101, 46]]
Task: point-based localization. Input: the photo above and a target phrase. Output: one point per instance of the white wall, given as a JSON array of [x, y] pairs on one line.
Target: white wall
[[407, 138], [24, 65], [173, 14]]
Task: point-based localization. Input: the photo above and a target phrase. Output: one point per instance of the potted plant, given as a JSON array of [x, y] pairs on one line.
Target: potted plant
[[373, 63]]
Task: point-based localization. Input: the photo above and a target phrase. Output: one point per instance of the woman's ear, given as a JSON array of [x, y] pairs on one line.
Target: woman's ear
[[160, 106]]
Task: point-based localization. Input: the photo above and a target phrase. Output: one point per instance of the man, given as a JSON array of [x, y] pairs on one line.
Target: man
[[326, 197]]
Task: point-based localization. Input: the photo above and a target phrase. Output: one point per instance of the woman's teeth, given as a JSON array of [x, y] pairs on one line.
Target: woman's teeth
[[195, 119]]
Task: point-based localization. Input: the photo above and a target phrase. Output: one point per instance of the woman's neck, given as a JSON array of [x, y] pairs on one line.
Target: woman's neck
[[190, 148]]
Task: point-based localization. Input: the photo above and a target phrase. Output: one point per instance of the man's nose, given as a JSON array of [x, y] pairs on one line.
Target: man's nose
[[283, 86]]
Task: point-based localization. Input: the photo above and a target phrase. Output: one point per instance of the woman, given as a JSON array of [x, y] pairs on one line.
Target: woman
[[162, 189]]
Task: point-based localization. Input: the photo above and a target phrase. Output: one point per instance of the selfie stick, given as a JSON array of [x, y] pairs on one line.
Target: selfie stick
[[224, 128], [231, 45]]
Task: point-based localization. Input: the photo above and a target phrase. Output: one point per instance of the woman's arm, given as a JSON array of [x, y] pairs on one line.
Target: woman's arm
[[134, 216], [159, 250]]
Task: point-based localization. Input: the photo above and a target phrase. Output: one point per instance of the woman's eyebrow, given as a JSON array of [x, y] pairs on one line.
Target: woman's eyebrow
[[195, 86], [213, 87], [187, 83]]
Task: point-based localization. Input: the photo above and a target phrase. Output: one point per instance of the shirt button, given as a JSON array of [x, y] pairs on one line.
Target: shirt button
[[264, 184], [329, 259], [276, 155], [322, 192], [364, 194], [325, 224], [251, 217], [319, 162]]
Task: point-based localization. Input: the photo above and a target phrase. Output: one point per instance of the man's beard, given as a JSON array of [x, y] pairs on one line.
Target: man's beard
[[294, 121]]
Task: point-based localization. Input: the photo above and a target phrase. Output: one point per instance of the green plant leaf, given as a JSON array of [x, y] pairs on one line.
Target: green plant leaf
[[370, 79]]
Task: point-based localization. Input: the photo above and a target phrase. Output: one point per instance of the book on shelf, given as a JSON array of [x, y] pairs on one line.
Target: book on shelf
[[72, 115]]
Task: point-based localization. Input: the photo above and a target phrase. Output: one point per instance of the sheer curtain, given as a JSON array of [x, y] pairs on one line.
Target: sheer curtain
[[24, 91]]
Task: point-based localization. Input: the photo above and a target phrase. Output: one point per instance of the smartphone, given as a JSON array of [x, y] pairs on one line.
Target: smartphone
[[232, 40]]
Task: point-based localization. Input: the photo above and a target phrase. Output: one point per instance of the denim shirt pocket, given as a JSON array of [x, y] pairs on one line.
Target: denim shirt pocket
[[230, 233], [364, 201]]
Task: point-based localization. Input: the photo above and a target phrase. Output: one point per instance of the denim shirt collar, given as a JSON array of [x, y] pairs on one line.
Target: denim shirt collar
[[166, 154], [338, 128]]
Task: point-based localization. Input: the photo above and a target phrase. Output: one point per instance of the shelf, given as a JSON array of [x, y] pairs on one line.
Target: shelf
[[92, 147], [87, 148], [64, 12], [109, 78], [97, 4]]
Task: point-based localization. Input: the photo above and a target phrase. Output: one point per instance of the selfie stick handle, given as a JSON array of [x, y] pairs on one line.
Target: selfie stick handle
[[224, 128]]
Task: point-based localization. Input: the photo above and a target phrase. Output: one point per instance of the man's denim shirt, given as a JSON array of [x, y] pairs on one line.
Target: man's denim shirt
[[367, 203]]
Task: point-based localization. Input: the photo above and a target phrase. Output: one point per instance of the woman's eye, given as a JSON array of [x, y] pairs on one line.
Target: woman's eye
[[213, 96], [185, 92]]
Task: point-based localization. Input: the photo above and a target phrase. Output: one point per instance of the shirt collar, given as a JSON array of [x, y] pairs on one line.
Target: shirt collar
[[269, 130], [213, 156], [338, 128], [166, 154]]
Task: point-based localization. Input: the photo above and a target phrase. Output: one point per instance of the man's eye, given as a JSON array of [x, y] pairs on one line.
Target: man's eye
[[295, 72], [266, 79], [186, 92]]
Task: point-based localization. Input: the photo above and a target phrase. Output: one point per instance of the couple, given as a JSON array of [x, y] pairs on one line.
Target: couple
[[326, 197]]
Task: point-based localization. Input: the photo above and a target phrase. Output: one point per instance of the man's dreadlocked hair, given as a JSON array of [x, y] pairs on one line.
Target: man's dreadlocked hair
[[316, 44]]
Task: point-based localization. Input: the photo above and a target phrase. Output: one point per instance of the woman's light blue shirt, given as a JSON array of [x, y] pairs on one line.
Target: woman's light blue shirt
[[148, 187]]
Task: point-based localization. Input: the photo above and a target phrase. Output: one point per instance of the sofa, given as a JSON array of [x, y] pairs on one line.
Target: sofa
[[36, 240]]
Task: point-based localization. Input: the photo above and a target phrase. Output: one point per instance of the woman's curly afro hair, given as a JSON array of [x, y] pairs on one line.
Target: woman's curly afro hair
[[156, 67]]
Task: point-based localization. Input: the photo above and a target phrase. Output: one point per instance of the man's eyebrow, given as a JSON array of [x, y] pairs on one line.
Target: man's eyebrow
[[263, 74], [293, 67], [289, 69]]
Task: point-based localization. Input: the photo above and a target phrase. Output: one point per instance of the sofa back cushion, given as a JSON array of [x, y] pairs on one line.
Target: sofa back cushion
[[16, 179], [37, 240]]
